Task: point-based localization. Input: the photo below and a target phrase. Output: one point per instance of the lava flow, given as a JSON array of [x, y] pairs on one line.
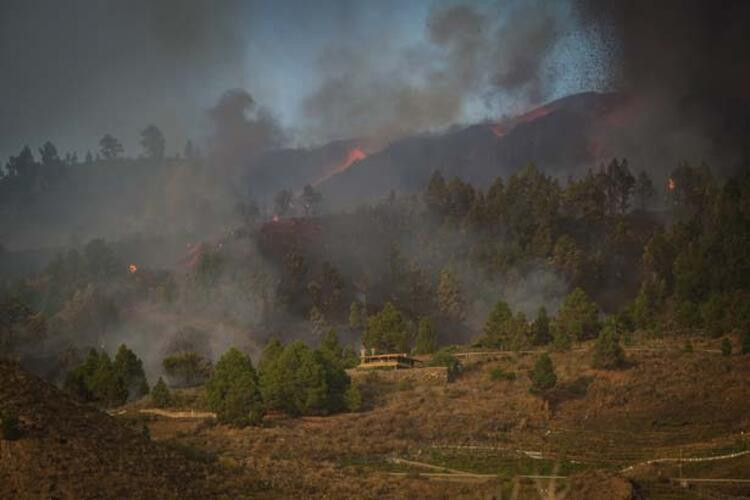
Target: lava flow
[[353, 155]]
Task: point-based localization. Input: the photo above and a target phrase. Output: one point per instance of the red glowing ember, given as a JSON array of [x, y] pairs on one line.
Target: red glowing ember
[[353, 155], [132, 268]]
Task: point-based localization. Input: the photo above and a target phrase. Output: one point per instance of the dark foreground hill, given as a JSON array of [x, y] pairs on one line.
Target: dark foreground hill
[[69, 450]]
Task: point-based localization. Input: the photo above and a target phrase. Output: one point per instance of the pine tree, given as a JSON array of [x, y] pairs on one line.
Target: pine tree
[[357, 317], [353, 398], [233, 391], [189, 368], [318, 322], [607, 351], [387, 331], [267, 371], [152, 142], [540, 329], [160, 396], [579, 315], [561, 340], [449, 297], [497, 326], [426, 341], [542, 376], [436, 194], [129, 368]]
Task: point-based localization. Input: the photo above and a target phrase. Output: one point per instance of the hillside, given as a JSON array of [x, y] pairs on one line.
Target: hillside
[[471, 437], [558, 137], [69, 450]]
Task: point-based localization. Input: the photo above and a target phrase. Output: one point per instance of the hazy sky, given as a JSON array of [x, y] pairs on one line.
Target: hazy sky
[[73, 70]]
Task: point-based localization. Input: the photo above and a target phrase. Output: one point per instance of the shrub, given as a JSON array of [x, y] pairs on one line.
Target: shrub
[[9, 429], [561, 340], [688, 346], [444, 358], [353, 398], [160, 396], [498, 373], [542, 376], [726, 347]]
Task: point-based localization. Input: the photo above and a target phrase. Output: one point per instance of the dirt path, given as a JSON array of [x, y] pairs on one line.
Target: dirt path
[[686, 460], [178, 414]]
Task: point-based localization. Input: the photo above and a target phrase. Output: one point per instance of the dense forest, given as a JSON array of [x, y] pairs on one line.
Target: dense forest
[[527, 260]]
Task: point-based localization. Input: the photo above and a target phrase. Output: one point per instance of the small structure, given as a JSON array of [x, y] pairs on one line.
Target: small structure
[[395, 361]]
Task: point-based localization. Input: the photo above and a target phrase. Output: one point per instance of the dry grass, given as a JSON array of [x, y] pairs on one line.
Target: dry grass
[[664, 404]]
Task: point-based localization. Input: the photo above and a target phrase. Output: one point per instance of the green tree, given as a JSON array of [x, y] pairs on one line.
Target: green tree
[[129, 368], [644, 189], [450, 298], [436, 194], [353, 398], [318, 321], [187, 368], [726, 347], [497, 326], [579, 315], [607, 351], [426, 341], [233, 391], [297, 381], [152, 142], [110, 147], [106, 386], [331, 346], [357, 316], [387, 331], [160, 395], [267, 372], [337, 382], [540, 329], [543, 377]]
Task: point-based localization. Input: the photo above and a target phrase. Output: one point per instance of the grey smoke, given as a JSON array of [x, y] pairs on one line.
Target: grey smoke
[[470, 54]]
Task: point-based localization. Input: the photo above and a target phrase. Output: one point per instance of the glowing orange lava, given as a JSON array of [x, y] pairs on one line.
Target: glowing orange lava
[[502, 128], [353, 155], [132, 268]]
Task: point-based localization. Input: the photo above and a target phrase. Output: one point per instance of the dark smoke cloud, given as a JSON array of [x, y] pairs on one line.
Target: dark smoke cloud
[[684, 64], [470, 53], [242, 129]]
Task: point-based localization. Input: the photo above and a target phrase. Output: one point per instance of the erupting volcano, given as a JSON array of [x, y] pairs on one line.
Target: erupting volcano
[[354, 155]]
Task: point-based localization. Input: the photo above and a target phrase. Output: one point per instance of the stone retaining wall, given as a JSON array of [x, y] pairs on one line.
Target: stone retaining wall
[[426, 375]]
